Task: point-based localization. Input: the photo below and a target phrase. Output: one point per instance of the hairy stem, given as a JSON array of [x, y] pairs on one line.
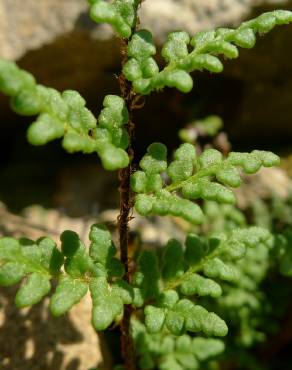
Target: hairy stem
[[126, 206], [123, 227]]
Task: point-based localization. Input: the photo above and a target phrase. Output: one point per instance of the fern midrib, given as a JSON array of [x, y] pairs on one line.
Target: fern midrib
[[191, 270], [201, 173], [33, 267], [173, 65]]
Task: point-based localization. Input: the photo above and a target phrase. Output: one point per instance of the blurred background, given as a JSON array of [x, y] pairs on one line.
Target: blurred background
[[45, 190]]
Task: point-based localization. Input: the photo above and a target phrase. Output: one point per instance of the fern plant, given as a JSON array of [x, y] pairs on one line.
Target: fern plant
[[159, 303]]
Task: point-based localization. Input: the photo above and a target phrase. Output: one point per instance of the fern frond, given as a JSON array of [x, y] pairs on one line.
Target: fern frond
[[207, 177], [120, 14], [65, 116], [193, 270], [207, 47], [74, 269]]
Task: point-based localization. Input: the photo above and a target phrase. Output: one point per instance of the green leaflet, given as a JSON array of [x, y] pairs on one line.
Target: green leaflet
[[184, 316], [183, 165], [146, 183], [26, 258], [102, 250], [123, 290], [108, 302], [52, 258], [204, 348], [154, 319], [64, 116], [216, 268], [26, 102], [111, 149], [198, 285], [207, 190], [191, 177], [146, 279], [69, 292], [196, 318], [252, 162], [11, 273], [210, 157], [14, 80], [51, 128], [9, 248], [206, 49], [155, 161], [247, 238], [195, 250], [173, 260], [164, 203], [120, 14], [77, 262], [163, 351], [173, 363], [27, 254], [33, 291]]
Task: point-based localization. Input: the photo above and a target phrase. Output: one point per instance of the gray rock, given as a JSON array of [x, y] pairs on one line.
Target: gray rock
[[163, 16], [31, 24]]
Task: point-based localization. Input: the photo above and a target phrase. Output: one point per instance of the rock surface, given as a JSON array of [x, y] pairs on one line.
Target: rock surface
[[163, 16], [29, 25], [30, 339]]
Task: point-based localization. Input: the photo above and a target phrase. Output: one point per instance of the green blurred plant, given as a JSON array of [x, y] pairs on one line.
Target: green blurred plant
[[160, 302], [209, 126]]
